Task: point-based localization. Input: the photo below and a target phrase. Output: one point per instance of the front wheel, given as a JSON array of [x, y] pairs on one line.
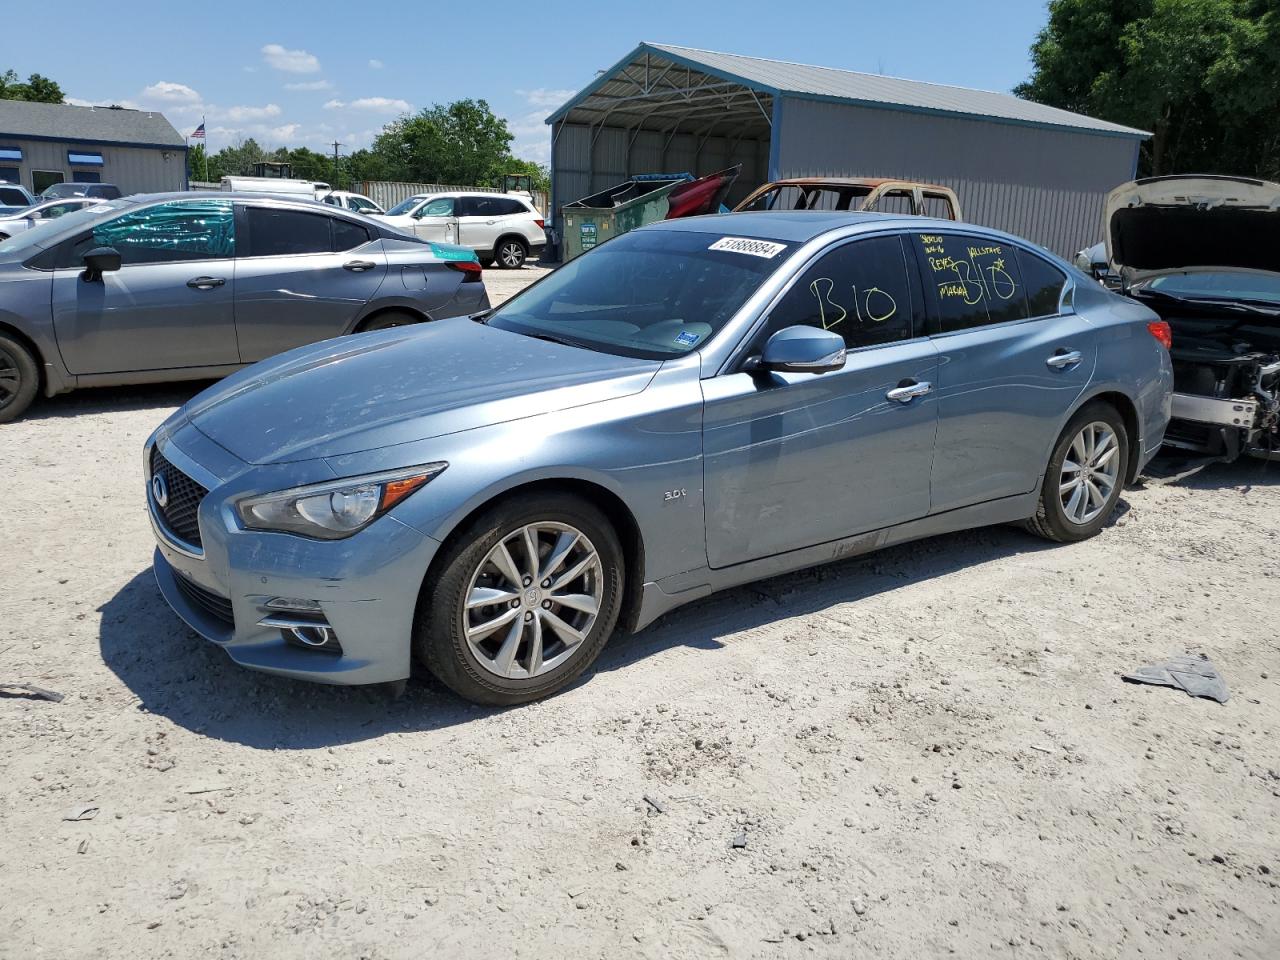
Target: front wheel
[[19, 379], [1085, 476], [524, 602], [511, 253]]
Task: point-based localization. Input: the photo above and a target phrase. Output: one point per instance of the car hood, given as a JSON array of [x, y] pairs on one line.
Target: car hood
[[409, 383], [1169, 225]]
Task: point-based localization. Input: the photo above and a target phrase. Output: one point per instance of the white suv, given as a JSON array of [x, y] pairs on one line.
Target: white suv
[[501, 228]]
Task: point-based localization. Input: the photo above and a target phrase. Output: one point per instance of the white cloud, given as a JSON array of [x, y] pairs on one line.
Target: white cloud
[[171, 92], [290, 61], [106, 102], [532, 137], [310, 85], [376, 64], [371, 105], [235, 114], [543, 97]]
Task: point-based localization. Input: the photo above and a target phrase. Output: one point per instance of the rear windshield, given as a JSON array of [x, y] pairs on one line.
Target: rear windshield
[[650, 293]]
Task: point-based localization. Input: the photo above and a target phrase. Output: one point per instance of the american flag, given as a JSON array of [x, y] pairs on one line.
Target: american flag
[[199, 133]]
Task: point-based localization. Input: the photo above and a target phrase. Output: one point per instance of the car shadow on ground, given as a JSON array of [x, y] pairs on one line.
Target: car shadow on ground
[[92, 400], [176, 674], [1192, 473]]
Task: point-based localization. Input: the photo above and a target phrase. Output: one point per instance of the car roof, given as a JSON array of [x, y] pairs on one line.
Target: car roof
[[871, 182], [800, 226]]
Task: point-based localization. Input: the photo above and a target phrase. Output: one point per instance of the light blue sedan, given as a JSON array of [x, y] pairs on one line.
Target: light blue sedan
[[690, 406]]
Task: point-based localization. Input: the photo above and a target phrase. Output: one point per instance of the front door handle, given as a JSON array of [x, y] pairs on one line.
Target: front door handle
[[205, 283], [1064, 358], [908, 390], [358, 266]]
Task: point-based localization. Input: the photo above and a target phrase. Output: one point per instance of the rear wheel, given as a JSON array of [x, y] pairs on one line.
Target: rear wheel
[[511, 253], [385, 321], [19, 378], [525, 600], [1085, 476]]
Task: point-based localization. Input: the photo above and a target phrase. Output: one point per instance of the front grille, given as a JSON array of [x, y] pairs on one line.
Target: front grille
[[179, 513], [208, 601]]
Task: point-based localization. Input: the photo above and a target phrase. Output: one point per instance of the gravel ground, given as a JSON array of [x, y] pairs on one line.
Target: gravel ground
[[921, 752]]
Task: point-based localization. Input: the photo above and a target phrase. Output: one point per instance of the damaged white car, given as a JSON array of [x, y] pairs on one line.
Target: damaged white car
[[1204, 253]]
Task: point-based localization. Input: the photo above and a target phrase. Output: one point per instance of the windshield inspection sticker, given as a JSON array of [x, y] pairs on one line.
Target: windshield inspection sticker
[[687, 338], [754, 248]]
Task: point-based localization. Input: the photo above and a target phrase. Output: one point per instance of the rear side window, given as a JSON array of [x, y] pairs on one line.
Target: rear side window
[[1044, 283], [858, 290], [11, 197], [938, 207], [511, 207], [895, 201], [974, 281], [275, 233], [482, 206], [348, 235]]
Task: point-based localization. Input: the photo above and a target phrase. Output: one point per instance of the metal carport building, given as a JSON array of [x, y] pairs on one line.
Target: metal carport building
[[1019, 166]]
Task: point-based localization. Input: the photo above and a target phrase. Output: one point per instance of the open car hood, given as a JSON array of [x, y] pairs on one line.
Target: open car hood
[[1165, 225]]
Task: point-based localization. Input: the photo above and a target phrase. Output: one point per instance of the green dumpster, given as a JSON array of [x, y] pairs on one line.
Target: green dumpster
[[631, 204]]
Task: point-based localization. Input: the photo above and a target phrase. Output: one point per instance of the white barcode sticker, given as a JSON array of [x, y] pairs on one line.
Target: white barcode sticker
[[755, 248]]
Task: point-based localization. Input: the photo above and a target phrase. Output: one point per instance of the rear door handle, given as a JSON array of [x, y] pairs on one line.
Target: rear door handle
[[1065, 358], [906, 392], [358, 266], [205, 283]]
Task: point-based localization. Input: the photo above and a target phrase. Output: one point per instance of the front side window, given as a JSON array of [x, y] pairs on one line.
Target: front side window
[[441, 207], [938, 206], [648, 293], [894, 201], [859, 290], [973, 281], [277, 233], [169, 232]]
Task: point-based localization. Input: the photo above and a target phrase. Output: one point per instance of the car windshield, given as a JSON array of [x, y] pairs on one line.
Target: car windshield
[[404, 206], [650, 293], [1225, 285], [37, 236]]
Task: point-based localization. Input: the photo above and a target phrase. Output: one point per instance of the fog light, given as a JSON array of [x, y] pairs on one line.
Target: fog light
[[313, 636]]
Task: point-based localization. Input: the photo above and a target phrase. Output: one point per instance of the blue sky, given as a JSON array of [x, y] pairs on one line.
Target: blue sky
[[308, 73]]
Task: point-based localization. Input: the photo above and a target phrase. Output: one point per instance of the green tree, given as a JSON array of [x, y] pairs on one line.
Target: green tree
[[237, 160], [462, 142], [37, 88], [1202, 75], [198, 165]]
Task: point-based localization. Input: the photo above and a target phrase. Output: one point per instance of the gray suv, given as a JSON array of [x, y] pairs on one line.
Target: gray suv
[[192, 286]]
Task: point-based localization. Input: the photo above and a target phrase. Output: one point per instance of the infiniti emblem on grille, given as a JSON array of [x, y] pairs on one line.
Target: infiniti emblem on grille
[[160, 490]]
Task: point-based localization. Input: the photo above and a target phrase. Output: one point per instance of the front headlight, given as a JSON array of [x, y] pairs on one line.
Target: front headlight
[[331, 511]]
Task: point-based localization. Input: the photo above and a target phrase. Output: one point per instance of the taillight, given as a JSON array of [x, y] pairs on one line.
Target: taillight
[[470, 269], [539, 223], [1161, 330]]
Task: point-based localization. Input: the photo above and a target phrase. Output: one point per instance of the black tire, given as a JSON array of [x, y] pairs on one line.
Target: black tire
[[4, 236], [19, 378], [387, 320], [1051, 520], [439, 639], [510, 253], [486, 262]]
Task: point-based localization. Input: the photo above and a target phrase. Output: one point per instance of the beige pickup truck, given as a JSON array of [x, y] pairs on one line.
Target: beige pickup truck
[[881, 195]]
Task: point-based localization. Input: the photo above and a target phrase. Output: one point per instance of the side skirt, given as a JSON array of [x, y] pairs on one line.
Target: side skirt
[[665, 595]]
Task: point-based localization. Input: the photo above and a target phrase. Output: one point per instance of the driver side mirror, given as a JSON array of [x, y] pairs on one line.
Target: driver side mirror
[[800, 349], [98, 261]]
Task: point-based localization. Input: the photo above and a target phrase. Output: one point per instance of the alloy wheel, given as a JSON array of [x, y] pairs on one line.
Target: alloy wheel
[[1090, 472], [533, 600], [511, 254], [10, 378]]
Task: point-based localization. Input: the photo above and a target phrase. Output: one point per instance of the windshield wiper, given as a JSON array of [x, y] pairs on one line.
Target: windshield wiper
[[552, 338]]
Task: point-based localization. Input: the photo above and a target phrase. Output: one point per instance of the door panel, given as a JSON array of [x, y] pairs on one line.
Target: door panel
[[481, 220], [291, 288], [145, 317], [1003, 392], [435, 221], [792, 460], [1001, 406]]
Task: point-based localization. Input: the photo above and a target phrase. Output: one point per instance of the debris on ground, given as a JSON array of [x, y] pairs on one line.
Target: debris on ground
[[81, 811], [1194, 673], [740, 840], [31, 692], [658, 805]]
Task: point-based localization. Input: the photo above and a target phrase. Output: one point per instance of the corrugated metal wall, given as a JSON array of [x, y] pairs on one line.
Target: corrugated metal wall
[[1045, 185], [578, 170], [132, 169]]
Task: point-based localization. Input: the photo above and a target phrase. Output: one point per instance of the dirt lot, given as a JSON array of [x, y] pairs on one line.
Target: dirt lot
[[926, 751]]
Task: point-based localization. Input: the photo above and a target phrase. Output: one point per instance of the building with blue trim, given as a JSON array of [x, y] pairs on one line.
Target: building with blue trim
[[45, 143], [1019, 166]]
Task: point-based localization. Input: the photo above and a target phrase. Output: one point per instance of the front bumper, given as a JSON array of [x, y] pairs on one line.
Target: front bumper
[[366, 586], [1218, 428]]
